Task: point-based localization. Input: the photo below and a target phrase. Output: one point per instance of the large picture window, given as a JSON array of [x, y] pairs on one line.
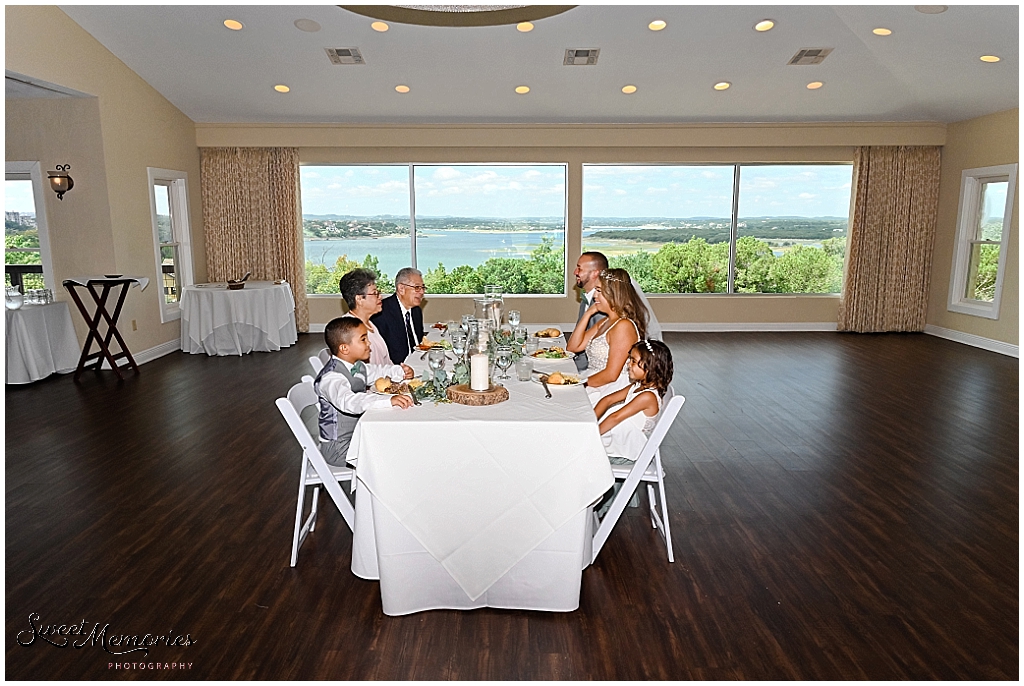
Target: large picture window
[[721, 228], [463, 226]]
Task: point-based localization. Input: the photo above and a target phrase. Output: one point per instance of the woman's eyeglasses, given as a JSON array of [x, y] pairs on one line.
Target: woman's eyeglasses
[[375, 294]]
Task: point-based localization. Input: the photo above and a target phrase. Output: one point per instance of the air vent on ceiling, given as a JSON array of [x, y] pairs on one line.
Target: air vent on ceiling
[[581, 56], [345, 55], [810, 56]]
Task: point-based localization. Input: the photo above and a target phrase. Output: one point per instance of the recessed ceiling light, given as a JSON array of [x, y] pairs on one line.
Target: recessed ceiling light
[[629, 89], [930, 9], [233, 25], [524, 27], [522, 90], [722, 85], [307, 25], [281, 88], [765, 25], [402, 88], [379, 26], [657, 25], [882, 32], [989, 58], [814, 85]]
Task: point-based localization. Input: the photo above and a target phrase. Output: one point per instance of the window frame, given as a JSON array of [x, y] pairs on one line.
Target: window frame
[[33, 171], [972, 182], [177, 185], [566, 273], [733, 220]]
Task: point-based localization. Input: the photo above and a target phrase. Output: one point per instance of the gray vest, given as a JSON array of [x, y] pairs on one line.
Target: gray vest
[[581, 357], [337, 426]]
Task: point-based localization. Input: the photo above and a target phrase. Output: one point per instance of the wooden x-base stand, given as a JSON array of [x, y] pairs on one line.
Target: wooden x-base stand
[[100, 315]]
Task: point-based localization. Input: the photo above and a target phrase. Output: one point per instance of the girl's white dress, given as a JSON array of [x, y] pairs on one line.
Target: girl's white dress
[[598, 350], [628, 437]]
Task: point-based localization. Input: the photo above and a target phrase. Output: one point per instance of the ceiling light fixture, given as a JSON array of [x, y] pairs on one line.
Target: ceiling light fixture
[[764, 25], [281, 88], [657, 25], [989, 58], [307, 25], [931, 9], [524, 27], [522, 90], [629, 89], [458, 16], [722, 85], [401, 88], [233, 25], [882, 32], [379, 26], [814, 85]]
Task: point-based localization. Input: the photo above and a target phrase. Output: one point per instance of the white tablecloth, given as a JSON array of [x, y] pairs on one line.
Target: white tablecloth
[[479, 489], [40, 341], [217, 321]]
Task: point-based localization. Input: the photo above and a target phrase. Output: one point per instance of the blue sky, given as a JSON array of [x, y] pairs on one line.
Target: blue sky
[[608, 191], [18, 197]]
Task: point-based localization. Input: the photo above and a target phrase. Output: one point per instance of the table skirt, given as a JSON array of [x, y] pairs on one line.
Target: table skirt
[[411, 580], [238, 339], [41, 340]]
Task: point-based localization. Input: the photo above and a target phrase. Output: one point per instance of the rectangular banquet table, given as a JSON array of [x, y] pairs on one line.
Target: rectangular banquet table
[[463, 507], [41, 340], [218, 321]]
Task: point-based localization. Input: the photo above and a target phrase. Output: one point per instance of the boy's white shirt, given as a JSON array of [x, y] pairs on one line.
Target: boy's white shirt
[[335, 387]]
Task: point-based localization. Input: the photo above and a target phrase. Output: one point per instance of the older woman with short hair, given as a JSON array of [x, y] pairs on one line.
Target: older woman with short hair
[[359, 290]]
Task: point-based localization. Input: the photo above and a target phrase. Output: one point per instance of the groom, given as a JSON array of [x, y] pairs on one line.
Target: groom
[[587, 272]]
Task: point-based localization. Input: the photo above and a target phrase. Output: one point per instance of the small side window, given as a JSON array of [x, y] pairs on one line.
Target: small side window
[[168, 199], [983, 228]]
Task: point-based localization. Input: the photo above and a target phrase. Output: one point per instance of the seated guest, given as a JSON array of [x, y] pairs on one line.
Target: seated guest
[[588, 267], [359, 290], [400, 320], [607, 342], [341, 386]]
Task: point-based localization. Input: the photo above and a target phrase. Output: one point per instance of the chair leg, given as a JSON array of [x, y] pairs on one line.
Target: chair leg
[[298, 515], [651, 503], [313, 510], [664, 508]]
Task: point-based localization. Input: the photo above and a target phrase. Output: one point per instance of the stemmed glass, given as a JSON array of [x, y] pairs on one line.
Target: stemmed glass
[[504, 360], [520, 335], [513, 318], [458, 339], [435, 360], [466, 318]]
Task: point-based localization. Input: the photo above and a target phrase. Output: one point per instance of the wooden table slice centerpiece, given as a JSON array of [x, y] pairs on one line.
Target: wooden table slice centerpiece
[[464, 395]]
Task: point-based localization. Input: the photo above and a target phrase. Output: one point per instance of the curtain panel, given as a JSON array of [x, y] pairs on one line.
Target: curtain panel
[[888, 264], [253, 217]]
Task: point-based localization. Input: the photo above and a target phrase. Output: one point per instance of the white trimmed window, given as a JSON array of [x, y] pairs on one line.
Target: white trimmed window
[[983, 233], [26, 240], [168, 201]]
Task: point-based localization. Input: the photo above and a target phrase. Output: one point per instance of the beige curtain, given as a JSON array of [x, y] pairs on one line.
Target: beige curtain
[[888, 264], [253, 218]]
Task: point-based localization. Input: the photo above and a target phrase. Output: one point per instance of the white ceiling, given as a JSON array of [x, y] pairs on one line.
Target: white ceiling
[[927, 70]]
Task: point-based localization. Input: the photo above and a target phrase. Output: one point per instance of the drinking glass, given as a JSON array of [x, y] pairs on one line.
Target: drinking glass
[[513, 318], [492, 291], [14, 298], [503, 359], [435, 360], [465, 322], [524, 367], [532, 344], [458, 339], [520, 334]]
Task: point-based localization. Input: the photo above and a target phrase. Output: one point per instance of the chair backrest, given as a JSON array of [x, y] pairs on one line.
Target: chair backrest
[[671, 404], [299, 397], [321, 358]]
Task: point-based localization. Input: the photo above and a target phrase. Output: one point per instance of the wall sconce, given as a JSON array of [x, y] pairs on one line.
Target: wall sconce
[[60, 181]]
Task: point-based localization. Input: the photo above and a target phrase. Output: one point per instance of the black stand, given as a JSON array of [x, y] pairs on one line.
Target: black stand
[[94, 319]]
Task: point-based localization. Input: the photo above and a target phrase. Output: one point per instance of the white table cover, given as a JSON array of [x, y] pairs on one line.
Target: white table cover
[[140, 281], [217, 321], [479, 488], [40, 341]]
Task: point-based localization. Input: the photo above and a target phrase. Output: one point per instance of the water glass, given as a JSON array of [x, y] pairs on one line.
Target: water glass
[[519, 332], [532, 344], [524, 367], [466, 318], [513, 318], [458, 339], [435, 360], [503, 358], [492, 291]]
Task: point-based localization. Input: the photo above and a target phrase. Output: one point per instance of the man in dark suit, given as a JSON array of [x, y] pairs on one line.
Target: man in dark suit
[[587, 273], [400, 320]]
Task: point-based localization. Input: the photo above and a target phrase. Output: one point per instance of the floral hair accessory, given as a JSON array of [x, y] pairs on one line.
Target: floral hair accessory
[[608, 276]]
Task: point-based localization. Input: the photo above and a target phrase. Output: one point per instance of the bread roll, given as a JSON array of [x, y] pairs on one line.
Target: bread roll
[[382, 384], [556, 379]]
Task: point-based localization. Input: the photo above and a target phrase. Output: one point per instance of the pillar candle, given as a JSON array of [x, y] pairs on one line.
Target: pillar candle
[[478, 380]]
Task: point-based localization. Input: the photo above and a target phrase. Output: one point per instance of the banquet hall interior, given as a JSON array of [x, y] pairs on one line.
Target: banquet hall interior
[[793, 187]]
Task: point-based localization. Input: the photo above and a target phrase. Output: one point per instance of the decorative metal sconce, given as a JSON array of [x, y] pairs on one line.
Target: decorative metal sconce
[[60, 181]]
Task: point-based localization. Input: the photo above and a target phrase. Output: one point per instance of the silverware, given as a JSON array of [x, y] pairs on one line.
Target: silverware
[[414, 400], [544, 383]]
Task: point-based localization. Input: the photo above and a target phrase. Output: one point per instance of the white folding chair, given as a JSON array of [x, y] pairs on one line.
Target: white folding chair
[[321, 358], [646, 468], [315, 471]]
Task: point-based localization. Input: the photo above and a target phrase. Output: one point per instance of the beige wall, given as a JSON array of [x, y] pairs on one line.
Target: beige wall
[[983, 142], [104, 223], [576, 146]]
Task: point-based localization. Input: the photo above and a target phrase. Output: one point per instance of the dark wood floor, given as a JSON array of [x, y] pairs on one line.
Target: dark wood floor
[[844, 506]]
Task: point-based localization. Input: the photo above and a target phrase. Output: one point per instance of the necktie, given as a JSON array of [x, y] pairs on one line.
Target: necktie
[[358, 369], [408, 331]]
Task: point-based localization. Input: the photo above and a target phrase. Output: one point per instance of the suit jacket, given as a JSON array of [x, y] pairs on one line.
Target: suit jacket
[[391, 326], [581, 357]]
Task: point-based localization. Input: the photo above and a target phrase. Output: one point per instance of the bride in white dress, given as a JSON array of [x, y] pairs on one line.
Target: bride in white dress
[[608, 342]]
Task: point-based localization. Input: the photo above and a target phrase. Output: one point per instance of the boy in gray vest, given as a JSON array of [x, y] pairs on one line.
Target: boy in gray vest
[[341, 386]]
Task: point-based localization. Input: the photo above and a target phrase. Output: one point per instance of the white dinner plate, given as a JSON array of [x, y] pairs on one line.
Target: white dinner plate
[[536, 379]]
